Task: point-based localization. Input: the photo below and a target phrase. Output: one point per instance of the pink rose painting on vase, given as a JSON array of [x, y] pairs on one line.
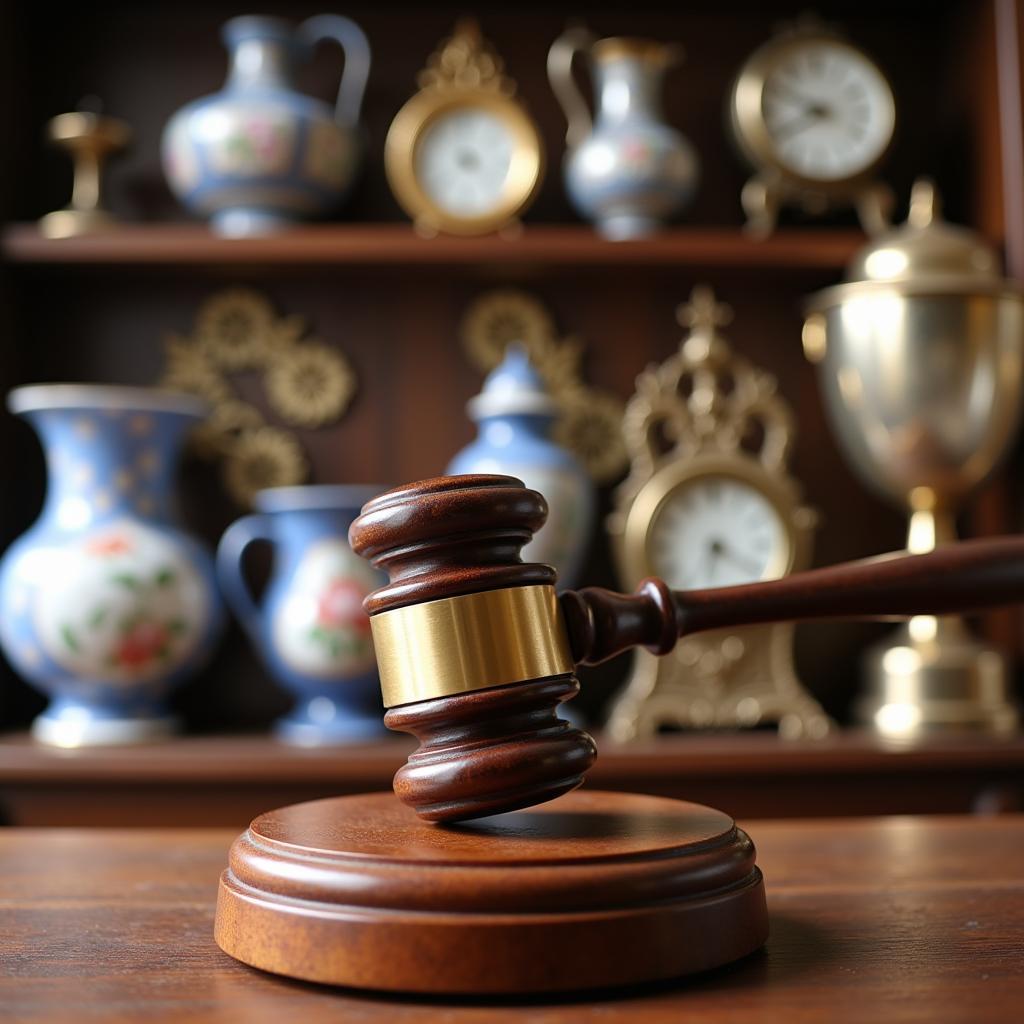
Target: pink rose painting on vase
[[341, 623]]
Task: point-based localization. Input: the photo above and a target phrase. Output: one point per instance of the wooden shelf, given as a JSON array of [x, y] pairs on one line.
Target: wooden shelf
[[228, 780], [383, 245]]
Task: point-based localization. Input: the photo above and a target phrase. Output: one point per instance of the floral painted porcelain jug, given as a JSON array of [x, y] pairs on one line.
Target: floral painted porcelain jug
[[516, 414], [626, 169], [105, 604], [310, 627], [259, 155]]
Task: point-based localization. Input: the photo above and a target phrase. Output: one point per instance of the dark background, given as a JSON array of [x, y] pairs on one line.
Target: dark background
[[399, 327]]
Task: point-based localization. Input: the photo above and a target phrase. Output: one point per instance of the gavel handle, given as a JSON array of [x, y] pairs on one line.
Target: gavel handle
[[955, 578]]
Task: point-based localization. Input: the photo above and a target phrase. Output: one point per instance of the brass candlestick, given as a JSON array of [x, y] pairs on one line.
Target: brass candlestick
[[920, 357], [90, 138]]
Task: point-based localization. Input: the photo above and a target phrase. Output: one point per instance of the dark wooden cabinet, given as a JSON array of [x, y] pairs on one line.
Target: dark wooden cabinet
[[98, 309]]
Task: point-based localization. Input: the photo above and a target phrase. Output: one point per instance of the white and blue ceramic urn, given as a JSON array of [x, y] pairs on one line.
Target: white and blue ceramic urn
[[515, 414], [259, 155]]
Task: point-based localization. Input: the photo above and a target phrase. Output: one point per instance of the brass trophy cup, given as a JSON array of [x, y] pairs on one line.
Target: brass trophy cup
[[919, 356]]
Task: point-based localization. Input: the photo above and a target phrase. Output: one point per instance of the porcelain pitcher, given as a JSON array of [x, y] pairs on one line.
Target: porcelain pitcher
[[310, 627], [625, 169], [259, 155]]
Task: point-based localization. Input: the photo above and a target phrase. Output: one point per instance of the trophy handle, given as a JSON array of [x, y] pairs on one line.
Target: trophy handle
[[954, 578]]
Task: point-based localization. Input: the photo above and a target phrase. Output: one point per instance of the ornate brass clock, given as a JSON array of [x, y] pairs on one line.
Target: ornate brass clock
[[463, 156], [709, 503], [815, 116]]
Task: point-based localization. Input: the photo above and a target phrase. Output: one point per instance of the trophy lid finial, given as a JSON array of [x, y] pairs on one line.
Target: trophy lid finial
[[927, 248]]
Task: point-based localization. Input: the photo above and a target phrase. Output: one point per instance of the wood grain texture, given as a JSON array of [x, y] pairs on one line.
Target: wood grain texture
[[491, 750], [591, 890], [895, 920], [398, 245], [957, 577], [495, 748]]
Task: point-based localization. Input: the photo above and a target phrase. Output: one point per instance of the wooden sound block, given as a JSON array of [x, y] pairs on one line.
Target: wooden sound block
[[590, 890]]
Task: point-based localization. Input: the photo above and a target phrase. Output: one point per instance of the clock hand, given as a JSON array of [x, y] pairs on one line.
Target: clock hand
[[743, 563], [805, 101], [707, 565], [796, 125]]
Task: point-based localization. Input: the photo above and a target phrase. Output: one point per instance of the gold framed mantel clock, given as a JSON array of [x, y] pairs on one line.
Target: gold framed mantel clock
[[463, 156], [709, 503], [815, 117]]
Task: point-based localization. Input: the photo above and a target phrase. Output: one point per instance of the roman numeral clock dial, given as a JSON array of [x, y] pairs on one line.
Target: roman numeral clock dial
[[829, 114], [815, 117]]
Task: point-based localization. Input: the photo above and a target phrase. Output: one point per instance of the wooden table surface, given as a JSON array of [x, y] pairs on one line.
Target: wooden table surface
[[873, 920]]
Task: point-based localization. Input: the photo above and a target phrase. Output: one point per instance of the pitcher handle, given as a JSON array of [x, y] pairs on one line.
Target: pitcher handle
[[352, 40], [560, 57], [230, 574]]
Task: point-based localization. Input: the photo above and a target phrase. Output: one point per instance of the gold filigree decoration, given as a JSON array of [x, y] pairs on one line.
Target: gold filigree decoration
[[189, 369], [225, 424], [466, 60], [589, 423], [502, 316], [310, 385], [704, 397], [307, 384], [265, 457], [233, 329], [591, 426]]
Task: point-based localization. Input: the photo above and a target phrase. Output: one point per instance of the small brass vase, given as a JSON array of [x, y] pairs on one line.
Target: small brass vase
[[919, 356]]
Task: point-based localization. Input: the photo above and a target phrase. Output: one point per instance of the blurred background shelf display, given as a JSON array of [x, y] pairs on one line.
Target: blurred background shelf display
[[370, 245], [99, 308], [228, 780]]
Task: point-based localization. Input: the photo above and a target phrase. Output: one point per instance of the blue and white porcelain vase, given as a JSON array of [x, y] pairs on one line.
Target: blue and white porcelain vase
[[515, 415], [259, 155], [625, 169], [310, 627], [105, 604]]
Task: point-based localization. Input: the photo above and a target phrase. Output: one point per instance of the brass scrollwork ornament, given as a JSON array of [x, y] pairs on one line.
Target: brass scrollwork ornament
[[307, 384], [590, 420], [709, 502]]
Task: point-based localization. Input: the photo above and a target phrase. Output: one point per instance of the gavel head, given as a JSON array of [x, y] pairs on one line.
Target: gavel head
[[472, 651]]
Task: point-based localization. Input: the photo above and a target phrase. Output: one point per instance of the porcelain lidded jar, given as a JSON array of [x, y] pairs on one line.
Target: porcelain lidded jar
[[515, 415], [105, 604], [626, 169], [310, 627], [259, 155]]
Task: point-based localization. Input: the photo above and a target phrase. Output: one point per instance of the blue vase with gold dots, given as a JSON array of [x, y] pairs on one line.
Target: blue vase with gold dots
[[105, 603], [516, 415]]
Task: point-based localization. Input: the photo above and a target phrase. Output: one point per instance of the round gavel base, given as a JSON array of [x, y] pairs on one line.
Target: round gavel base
[[591, 890]]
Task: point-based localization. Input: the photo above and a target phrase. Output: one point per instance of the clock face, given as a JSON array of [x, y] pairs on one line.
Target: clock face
[[463, 160], [828, 111], [717, 531]]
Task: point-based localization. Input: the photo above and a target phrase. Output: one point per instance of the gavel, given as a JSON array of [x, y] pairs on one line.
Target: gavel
[[476, 650]]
